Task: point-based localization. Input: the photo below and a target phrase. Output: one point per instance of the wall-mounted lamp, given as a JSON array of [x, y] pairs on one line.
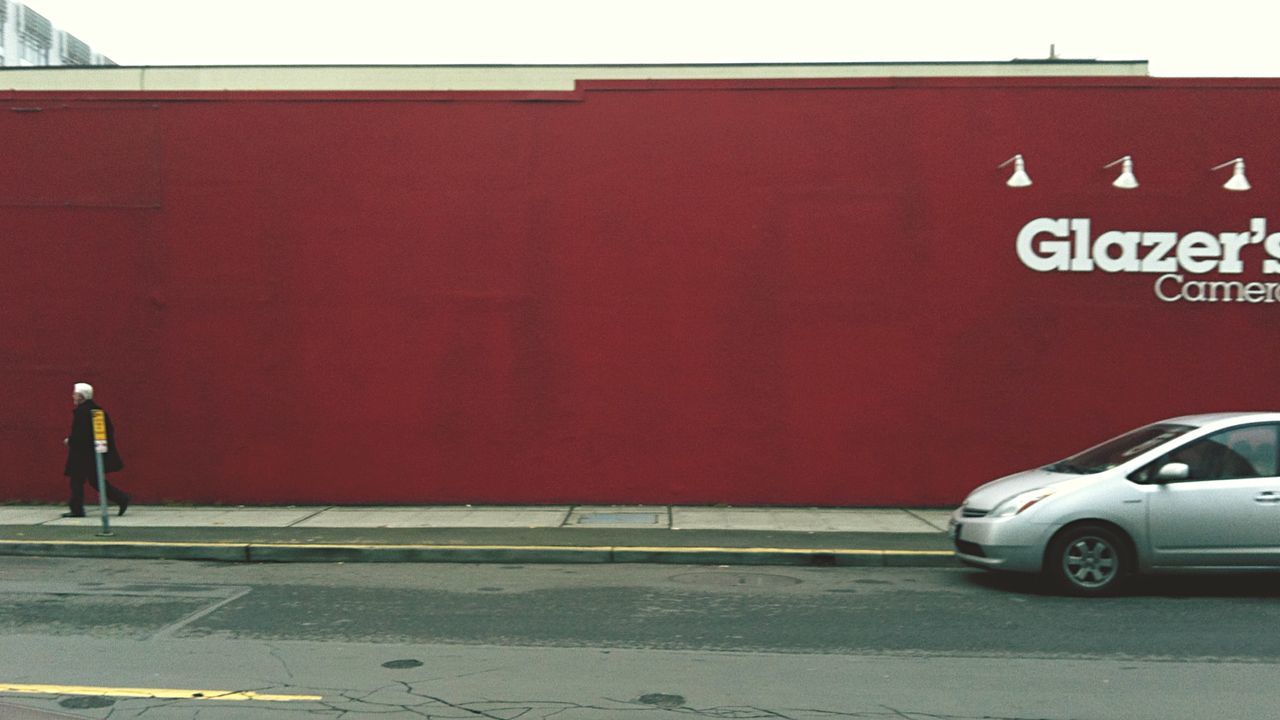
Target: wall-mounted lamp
[[1019, 178], [1126, 180], [1238, 181]]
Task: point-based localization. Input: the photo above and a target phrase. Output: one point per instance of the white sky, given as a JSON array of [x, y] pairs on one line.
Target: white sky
[[1225, 38]]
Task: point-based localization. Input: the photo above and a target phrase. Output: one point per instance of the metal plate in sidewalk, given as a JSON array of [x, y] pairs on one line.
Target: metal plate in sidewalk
[[618, 518]]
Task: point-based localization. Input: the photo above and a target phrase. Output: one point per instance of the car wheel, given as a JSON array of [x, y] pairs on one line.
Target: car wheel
[[1088, 560]]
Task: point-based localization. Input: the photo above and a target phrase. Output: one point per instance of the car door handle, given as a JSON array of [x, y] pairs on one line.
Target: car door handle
[[1267, 497]]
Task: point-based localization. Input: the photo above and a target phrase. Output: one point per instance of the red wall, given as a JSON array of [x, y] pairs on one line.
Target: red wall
[[775, 292]]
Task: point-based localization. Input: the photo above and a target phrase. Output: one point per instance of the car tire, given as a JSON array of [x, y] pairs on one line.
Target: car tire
[[1088, 560]]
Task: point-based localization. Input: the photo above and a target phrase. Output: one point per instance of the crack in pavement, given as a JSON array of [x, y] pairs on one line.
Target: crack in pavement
[[410, 698], [437, 708], [274, 652]]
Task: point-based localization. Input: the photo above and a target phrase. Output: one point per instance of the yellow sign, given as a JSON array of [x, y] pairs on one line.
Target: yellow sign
[[99, 426]]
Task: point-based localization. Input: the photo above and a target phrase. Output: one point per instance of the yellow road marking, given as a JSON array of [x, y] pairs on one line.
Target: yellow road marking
[[565, 548], [589, 548], [397, 546], [164, 693], [790, 550], [123, 543]]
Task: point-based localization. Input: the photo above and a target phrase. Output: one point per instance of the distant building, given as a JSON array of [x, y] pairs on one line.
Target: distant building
[[28, 39]]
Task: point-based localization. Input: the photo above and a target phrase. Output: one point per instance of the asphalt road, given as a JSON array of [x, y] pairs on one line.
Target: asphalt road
[[90, 637]]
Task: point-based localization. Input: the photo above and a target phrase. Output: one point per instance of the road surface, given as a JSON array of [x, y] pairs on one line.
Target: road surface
[[167, 639]]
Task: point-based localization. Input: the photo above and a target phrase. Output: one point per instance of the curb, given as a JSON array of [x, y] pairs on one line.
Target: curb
[[294, 553]]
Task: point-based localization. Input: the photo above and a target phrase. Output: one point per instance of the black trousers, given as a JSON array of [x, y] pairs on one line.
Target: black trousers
[[114, 494]]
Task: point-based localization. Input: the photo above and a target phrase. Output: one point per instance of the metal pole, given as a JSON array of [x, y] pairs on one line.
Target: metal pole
[[100, 449], [102, 495]]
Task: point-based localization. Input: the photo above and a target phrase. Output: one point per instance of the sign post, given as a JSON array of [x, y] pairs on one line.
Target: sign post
[[100, 449]]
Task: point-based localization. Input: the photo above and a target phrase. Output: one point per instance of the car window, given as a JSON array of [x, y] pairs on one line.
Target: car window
[[1121, 449], [1244, 452], [1258, 445]]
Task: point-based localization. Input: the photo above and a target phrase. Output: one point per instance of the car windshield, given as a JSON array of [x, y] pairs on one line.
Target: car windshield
[[1118, 450]]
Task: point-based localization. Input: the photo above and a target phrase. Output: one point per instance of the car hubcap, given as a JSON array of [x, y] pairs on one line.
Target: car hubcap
[[1090, 562]]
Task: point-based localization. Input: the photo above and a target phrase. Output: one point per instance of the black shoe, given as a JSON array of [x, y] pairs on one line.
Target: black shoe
[[71, 514], [124, 504]]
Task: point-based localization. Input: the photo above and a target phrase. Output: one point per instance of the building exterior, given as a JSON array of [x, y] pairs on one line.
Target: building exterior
[[794, 289], [519, 78], [28, 39]]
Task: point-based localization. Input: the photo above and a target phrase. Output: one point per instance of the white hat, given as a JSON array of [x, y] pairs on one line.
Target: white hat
[[84, 390]]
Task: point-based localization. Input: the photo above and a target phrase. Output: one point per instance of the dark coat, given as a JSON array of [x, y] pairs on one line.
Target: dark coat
[[80, 462]]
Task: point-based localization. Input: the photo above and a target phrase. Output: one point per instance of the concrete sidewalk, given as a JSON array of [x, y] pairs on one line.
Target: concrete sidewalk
[[561, 533]]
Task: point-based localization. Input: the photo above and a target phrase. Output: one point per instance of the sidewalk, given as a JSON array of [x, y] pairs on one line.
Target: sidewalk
[[534, 534]]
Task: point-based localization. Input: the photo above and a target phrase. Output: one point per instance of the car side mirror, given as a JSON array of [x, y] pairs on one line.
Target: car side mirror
[[1173, 472]]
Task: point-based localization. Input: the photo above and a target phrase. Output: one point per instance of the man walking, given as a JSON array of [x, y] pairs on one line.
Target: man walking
[[81, 466]]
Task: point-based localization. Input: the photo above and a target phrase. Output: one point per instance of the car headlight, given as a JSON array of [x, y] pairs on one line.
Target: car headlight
[[1016, 504]]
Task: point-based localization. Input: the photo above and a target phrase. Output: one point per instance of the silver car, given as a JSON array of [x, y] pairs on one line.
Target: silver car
[[1200, 492]]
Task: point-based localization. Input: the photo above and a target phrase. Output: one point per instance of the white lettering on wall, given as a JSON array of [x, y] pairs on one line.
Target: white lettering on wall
[[1174, 287], [1069, 245], [1126, 243], [1044, 255], [1272, 266]]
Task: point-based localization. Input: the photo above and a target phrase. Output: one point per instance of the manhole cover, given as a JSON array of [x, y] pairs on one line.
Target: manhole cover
[[402, 664], [611, 518], [662, 700], [86, 702], [735, 579]]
